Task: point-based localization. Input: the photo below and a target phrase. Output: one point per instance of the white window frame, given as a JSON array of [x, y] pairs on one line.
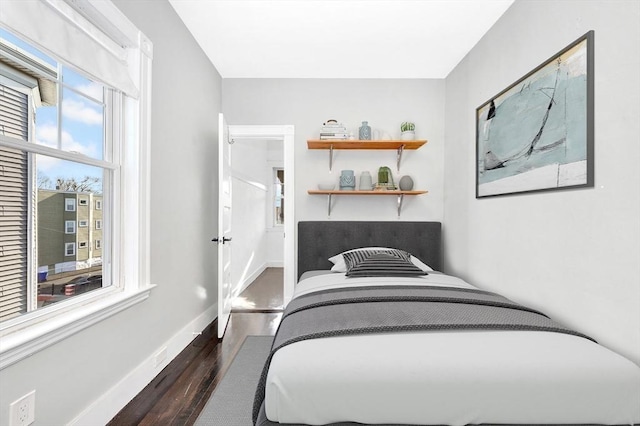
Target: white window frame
[[83, 202], [98, 224], [69, 224], [66, 249], [98, 204], [31, 332], [83, 223], [69, 204], [82, 244], [98, 244]]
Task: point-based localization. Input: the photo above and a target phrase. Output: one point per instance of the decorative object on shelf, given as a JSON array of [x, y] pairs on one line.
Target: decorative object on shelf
[[408, 130], [332, 130], [406, 183], [364, 132], [326, 186], [347, 180], [366, 183], [537, 134], [385, 179]]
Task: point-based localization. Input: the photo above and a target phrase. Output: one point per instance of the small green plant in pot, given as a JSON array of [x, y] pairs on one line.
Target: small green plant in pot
[[408, 130]]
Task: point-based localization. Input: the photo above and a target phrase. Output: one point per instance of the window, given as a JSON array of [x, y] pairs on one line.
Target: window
[[66, 141], [69, 249], [69, 204], [69, 226], [278, 200]]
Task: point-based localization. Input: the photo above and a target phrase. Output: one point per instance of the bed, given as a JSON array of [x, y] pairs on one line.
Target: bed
[[425, 348]]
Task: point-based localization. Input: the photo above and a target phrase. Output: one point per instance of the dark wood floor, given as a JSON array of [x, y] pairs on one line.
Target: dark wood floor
[[178, 394], [264, 294]]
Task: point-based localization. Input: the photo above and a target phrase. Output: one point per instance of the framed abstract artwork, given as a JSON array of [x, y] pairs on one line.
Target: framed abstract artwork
[[537, 134]]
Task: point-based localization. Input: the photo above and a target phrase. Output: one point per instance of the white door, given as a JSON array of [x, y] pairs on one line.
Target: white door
[[223, 239]]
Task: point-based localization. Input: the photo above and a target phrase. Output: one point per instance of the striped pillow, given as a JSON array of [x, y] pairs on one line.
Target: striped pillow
[[353, 258], [384, 265]]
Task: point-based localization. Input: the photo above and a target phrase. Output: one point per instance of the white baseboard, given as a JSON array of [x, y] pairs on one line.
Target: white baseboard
[[102, 410], [275, 264]]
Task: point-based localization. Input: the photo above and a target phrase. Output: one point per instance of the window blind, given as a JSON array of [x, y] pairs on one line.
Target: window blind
[[46, 23]]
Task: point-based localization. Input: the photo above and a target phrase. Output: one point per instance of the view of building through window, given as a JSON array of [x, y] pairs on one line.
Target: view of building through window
[[52, 215], [278, 218]]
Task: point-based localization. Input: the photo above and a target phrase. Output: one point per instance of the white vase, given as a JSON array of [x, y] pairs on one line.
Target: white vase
[[366, 184], [408, 135]]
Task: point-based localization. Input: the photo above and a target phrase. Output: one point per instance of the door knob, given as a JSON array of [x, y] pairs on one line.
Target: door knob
[[224, 240]]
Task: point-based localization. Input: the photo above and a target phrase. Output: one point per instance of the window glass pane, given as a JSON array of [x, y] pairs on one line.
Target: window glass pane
[[46, 121], [85, 86], [77, 269], [82, 125]]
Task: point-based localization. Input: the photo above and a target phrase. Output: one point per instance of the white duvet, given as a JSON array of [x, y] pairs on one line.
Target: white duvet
[[449, 377]]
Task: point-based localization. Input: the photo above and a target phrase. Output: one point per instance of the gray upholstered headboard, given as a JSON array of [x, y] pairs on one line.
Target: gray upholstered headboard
[[319, 240]]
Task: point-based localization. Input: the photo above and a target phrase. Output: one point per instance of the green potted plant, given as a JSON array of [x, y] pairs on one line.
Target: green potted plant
[[408, 130]]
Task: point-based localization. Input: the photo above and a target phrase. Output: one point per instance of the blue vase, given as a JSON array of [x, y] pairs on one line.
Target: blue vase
[[347, 180], [364, 133]]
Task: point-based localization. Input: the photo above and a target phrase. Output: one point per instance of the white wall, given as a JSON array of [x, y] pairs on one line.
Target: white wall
[[83, 370], [573, 253], [307, 103], [249, 194]]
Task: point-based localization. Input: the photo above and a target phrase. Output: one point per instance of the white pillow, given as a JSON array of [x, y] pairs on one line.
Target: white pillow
[[340, 266]]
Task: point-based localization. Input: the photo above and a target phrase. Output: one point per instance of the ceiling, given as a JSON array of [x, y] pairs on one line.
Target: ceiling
[[338, 38]]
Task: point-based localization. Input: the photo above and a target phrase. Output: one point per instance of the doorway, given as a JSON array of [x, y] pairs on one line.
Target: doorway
[[258, 186], [263, 282]]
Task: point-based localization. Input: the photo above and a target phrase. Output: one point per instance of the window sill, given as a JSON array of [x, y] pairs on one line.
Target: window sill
[[56, 326]]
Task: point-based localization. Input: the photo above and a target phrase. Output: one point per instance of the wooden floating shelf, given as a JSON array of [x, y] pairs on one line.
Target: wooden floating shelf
[[399, 194], [398, 145], [359, 144], [382, 192]]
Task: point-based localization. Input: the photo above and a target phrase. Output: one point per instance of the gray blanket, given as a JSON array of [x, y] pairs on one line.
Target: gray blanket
[[361, 310]]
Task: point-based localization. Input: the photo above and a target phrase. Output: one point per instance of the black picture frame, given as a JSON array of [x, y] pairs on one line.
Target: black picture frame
[[538, 133]]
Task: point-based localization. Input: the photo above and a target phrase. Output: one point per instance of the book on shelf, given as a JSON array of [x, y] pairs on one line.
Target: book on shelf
[[341, 134], [333, 138]]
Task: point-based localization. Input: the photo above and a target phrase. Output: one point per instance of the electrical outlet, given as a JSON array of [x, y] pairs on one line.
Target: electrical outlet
[[22, 412], [161, 356]]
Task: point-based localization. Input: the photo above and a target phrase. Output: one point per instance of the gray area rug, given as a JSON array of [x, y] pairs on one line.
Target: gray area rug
[[232, 402]]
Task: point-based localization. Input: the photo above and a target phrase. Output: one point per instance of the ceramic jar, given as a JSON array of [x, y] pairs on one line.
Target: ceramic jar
[[366, 183], [406, 183], [347, 180], [364, 133]]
